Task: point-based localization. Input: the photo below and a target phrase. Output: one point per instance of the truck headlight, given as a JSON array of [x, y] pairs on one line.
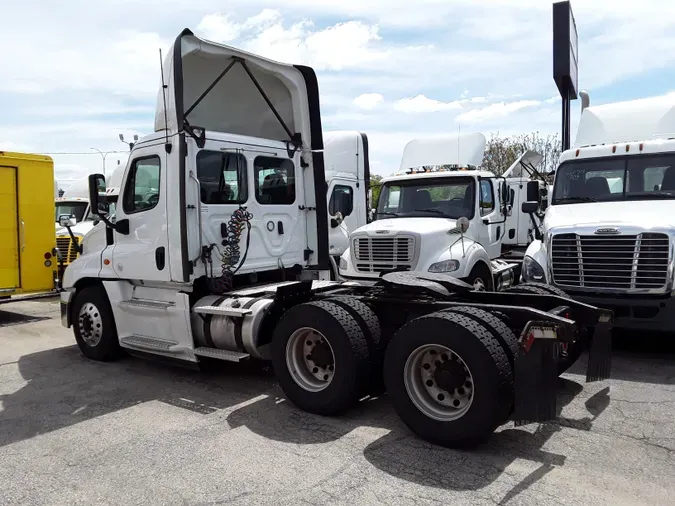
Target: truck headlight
[[343, 264], [444, 266], [532, 271]]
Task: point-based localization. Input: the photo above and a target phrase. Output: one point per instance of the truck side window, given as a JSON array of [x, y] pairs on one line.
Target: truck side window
[[222, 177], [342, 197], [141, 191], [487, 198], [274, 180]]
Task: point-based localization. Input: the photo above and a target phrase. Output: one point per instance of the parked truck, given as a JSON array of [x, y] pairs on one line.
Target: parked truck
[[242, 272], [608, 235], [443, 214], [27, 242]]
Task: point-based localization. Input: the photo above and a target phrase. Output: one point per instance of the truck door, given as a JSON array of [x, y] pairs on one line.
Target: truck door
[[9, 229], [492, 221], [341, 194], [270, 185], [143, 254]]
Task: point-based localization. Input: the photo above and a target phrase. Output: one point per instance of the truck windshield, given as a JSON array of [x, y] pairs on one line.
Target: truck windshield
[[641, 177], [444, 197], [76, 209]]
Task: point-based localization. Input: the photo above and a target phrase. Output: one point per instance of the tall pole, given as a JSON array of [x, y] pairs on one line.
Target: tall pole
[[103, 155]]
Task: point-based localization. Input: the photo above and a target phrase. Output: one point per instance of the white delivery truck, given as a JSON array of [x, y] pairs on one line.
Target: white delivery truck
[[452, 221], [609, 235], [240, 270]]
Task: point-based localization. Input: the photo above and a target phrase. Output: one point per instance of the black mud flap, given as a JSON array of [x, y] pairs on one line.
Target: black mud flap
[[535, 382], [600, 352]]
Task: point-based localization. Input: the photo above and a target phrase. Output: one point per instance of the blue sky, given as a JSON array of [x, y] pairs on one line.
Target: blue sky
[[75, 74]]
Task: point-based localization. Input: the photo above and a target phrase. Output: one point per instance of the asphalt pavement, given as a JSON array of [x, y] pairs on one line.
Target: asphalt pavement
[[73, 431]]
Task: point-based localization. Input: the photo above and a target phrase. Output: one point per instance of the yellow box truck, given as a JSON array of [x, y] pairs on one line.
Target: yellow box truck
[[28, 260]]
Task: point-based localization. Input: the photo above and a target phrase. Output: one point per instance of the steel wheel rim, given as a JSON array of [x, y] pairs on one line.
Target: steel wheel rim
[[421, 374], [479, 284], [310, 359], [90, 324]]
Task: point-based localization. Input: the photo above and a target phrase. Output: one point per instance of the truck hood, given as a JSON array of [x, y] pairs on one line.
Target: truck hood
[[234, 103], [423, 226], [641, 213]]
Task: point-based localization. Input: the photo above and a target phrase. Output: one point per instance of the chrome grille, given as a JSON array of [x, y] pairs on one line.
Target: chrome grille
[[625, 262], [376, 254], [67, 249]]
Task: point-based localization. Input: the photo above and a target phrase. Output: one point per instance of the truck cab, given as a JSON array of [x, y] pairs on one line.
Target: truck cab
[[608, 233], [348, 180], [442, 214]]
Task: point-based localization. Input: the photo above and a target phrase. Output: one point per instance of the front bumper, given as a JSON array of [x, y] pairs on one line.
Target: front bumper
[[653, 314], [66, 302]]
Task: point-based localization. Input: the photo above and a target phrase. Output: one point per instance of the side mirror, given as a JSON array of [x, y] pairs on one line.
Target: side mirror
[[463, 224], [533, 191], [66, 220], [530, 207], [336, 220], [97, 196]]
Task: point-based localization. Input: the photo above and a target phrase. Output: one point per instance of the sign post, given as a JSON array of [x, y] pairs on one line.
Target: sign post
[[565, 62]]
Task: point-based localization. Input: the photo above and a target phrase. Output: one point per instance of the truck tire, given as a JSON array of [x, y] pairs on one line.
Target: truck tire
[[552, 290], [480, 275], [528, 288], [94, 325], [494, 323], [430, 369], [370, 326], [320, 358]]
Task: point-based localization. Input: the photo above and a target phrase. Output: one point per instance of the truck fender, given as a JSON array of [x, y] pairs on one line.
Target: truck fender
[[468, 255]]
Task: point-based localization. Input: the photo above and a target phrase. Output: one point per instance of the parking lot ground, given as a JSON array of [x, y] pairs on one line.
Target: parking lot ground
[[73, 431]]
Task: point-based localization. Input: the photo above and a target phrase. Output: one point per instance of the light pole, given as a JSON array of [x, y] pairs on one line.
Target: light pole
[[104, 154]]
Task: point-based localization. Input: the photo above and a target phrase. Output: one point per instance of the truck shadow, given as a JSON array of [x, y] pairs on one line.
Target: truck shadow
[[64, 388], [404, 456], [9, 318], [638, 358]]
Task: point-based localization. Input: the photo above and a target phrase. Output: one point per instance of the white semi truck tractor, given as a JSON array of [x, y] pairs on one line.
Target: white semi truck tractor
[[236, 267], [608, 236], [443, 214]]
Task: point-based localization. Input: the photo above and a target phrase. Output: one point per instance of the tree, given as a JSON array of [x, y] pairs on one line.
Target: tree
[[375, 186], [501, 152]]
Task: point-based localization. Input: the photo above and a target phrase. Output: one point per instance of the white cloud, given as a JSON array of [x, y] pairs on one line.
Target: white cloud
[[368, 101], [84, 72], [421, 104], [493, 111]]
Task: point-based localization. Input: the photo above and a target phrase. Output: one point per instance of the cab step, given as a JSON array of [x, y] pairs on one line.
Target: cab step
[[150, 343], [223, 311], [228, 356], [147, 304]]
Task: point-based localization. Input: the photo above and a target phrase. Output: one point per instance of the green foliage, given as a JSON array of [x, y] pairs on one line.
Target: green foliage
[[501, 152]]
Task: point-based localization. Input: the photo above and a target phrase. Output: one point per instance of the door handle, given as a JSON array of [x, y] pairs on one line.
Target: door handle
[[160, 258], [23, 235], [280, 227]]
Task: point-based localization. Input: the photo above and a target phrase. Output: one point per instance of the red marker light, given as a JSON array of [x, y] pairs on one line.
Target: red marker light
[[48, 256]]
